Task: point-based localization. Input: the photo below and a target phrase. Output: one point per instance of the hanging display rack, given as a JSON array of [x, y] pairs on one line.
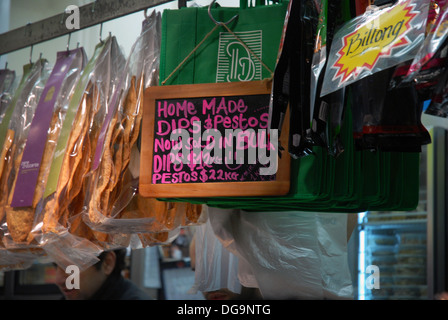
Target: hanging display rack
[[91, 14]]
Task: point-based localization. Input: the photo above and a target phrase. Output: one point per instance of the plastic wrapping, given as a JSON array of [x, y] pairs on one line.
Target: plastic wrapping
[[299, 77], [437, 33], [301, 25], [7, 87], [73, 157], [38, 151], [14, 259], [439, 102], [429, 64], [328, 113], [387, 119], [8, 107], [113, 203], [293, 255], [215, 267], [15, 127], [114, 182], [16, 224], [319, 116], [377, 40], [9, 259], [96, 115]]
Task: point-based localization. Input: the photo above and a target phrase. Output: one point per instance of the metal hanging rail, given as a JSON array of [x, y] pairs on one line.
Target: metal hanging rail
[[90, 14]]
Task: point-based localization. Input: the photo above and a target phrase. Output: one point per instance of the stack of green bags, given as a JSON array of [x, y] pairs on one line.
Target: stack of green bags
[[351, 181]]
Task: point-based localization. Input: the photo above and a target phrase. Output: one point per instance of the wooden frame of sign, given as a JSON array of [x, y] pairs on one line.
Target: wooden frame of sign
[[212, 169]]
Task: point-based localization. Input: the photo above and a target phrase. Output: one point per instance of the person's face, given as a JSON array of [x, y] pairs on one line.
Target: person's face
[[90, 280]]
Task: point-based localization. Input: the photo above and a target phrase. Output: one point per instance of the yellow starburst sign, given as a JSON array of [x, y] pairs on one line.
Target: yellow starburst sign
[[373, 39]]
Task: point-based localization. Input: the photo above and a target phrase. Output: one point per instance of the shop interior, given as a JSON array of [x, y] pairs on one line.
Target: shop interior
[[390, 245]]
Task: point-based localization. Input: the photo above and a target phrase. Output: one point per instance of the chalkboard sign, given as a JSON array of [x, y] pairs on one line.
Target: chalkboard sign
[[210, 140]]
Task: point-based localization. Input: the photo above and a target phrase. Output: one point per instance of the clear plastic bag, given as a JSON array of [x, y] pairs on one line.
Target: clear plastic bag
[[16, 224], [113, 184], [113, 204], [377, 40], [18, 259], [292, 255], [328, 111], [7, 88], [387, 119], [63, 197], [6, 140], [439, 103], [39, 148], [317, 132], [437, 33], [215, 267]]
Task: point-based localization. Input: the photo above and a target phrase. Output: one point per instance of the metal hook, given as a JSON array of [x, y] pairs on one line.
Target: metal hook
[[68, 41], [31, 54], [26, 27], [213, 19], [62, 18], [101, 32]]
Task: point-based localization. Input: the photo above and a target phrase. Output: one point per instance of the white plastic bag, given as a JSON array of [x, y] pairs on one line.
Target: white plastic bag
[[293, 255], [215, 267]]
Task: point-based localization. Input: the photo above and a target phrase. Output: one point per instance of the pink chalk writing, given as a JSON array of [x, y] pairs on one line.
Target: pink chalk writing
[[221, 131]]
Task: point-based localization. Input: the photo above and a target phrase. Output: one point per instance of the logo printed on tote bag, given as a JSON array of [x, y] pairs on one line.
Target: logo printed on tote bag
[[235, 62]]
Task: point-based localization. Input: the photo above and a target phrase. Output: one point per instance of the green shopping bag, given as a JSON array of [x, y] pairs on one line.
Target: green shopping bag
[[354, 181], [196, 50], [411, 183], [315, 184], [243, 50]]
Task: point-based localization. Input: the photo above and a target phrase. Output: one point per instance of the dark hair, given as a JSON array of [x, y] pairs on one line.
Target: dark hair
[[120, 262]]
